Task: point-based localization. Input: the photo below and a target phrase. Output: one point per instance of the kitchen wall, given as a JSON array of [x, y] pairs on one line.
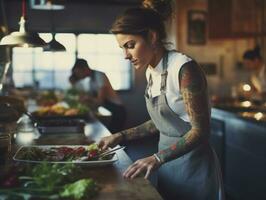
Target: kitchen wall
[[97, 18], [86, 18], [225, 53], [76, 17]]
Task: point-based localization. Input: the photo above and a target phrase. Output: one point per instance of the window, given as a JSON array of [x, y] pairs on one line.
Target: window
[[50, 70], [102, 53]]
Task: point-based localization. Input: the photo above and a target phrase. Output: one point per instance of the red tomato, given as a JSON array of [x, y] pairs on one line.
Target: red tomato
[[79, 150], [65, 150], [92, 153]]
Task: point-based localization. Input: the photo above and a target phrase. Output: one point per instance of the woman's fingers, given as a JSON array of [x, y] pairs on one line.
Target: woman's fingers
[[105, 146], [136, 173], [129, 170], [148, 172], [105, 142], [135, 169], [146, 164], [102, 144]]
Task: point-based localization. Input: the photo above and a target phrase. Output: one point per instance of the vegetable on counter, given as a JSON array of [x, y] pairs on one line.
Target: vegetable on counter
[[62, 153], [49, 181], [81, 189]]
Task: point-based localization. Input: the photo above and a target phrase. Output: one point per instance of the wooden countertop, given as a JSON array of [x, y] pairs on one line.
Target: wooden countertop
[[113, 185]]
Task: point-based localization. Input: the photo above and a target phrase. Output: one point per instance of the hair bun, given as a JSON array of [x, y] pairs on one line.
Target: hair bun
[[162, 7]]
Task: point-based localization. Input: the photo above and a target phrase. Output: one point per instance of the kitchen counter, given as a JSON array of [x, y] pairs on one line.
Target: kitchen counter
[[240, 143], [257, 116], [245, 110], [113, 185]]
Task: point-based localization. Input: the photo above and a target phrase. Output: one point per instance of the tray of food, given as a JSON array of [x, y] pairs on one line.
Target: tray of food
[[89, 155], [61, 111], [61, 126]]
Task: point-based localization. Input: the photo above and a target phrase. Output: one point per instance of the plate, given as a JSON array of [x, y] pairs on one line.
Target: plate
[[80, 162], [37, 117]]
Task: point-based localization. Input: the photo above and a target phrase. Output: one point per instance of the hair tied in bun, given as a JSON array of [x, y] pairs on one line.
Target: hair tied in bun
[[162, 7]]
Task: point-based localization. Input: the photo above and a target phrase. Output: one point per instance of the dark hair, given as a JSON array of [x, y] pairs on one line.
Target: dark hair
[[138, 21], [73, 79], [80, 63], [163, 7], [252, 54]]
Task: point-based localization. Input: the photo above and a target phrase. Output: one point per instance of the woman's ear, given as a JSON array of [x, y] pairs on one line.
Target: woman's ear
[[153, 37]]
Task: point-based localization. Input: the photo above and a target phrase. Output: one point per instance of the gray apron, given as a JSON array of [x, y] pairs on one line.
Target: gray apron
[[193, 176]]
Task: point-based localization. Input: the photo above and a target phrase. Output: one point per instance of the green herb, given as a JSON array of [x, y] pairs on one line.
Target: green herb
[[92, 147], [82, 189], [83, 109], [52, 181], [49, 176], [32, 154]]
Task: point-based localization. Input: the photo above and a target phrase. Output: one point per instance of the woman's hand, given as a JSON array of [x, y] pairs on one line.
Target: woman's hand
[[110, 141], [145, 165]]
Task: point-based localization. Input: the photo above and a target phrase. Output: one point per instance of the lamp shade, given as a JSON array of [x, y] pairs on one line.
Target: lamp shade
[[54, 45], [23, 38]]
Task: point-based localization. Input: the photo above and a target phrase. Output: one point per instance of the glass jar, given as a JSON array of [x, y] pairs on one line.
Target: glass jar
[[26, 131]]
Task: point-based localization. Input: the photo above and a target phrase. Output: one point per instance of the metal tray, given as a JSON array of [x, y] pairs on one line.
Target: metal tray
[[61, 126], [86, 163]]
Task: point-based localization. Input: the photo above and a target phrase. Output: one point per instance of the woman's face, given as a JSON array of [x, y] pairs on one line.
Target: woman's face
[[136, 49], [252, 64]]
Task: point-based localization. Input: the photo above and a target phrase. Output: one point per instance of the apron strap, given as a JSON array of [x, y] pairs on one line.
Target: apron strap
[[163, 77], [148, 86], [164, 74]]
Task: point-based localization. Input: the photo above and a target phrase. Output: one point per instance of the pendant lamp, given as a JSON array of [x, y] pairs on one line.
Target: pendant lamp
[[53, 45], [23, 38]]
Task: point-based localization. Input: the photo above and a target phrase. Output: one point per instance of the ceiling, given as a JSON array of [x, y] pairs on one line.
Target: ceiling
[[106, 2]]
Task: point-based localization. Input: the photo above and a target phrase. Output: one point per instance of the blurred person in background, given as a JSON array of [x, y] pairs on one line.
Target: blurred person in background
[[253, 62], [99, 92]]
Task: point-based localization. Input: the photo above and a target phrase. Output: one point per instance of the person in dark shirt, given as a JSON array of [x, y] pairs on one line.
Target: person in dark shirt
[[100, 92], [253, 62]]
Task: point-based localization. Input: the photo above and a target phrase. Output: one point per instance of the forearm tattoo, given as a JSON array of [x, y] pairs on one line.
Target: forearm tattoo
[[193, 87], [145, 129]]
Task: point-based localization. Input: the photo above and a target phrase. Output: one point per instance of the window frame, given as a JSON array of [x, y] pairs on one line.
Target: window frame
[[53, 71]]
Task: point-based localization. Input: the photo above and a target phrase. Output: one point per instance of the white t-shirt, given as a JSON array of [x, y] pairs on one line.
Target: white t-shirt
[[93, 85], [173, 95], [90, 84], [259, 80]]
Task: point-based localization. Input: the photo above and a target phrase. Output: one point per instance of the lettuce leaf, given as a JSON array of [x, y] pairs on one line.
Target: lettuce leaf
[[81, 189]]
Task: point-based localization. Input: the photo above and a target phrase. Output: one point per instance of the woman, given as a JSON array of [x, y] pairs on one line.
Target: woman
[[177, 101]]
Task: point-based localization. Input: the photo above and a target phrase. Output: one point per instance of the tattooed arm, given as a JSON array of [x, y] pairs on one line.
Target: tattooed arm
[[193, 87], [140, 131], [145, 129]]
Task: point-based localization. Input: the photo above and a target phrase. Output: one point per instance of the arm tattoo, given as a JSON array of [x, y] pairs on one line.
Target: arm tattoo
[[193, 87], [145, 129]]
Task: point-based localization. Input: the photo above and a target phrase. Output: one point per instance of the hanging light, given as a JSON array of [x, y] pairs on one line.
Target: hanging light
[[22, 38], [54, 45]]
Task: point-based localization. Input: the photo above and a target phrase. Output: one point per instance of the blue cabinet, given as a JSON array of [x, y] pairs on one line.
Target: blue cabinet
[[242, 153], [217, 139]]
